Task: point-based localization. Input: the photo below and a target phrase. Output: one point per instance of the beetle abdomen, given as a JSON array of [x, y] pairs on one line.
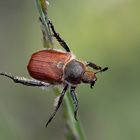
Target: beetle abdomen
[[47, 65]]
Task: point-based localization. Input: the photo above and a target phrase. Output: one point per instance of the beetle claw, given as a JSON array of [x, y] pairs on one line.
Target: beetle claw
[[75, 116]]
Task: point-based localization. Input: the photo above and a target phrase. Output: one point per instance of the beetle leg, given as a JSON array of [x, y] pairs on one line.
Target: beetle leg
[[92, 65], [73, 95], [102, 70], [59, 39], [24, 81], [58, 104]]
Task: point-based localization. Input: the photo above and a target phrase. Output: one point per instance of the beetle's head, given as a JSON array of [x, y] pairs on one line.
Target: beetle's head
[[90, 76]]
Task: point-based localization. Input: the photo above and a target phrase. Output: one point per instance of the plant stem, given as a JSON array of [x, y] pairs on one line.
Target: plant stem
[[74, 130], [42, 9]]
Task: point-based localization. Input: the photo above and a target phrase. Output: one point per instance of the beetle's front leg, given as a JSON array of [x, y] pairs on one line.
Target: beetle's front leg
[[24, 81], [92, 65]]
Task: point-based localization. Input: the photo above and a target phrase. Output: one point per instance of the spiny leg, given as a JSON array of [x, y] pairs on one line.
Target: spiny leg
[[73, 95], [92, 65], [58, 104], [24, 81], [59, 39], [102, 70]]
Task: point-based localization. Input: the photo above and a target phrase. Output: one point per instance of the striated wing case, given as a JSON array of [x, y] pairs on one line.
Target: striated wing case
[[47, 65]]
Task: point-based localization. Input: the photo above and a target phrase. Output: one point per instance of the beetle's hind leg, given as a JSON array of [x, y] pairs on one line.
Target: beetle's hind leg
[[58, 104], [73, 95], [24, 81], [59, 39]]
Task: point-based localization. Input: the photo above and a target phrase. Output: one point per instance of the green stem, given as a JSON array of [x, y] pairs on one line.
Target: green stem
[[74, 130], [73, 127], [47, 38]]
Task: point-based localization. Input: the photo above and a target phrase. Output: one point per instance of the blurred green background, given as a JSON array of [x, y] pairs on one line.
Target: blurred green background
[[105, 32]]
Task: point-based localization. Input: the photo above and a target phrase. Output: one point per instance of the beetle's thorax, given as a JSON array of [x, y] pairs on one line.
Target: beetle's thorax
[[73, 72]]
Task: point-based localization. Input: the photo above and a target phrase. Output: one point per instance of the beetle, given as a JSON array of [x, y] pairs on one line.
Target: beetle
[[56, 67]]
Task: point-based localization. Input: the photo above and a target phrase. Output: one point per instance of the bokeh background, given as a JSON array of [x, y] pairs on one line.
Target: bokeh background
[[105, 32]]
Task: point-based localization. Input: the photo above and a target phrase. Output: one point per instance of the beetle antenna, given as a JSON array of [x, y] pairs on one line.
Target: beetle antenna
[[102, 70]]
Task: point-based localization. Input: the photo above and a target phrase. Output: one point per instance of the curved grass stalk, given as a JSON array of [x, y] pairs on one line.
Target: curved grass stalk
[[74, 130]]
